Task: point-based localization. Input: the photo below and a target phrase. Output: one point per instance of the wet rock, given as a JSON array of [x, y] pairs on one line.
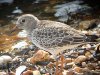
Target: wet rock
[[64, 11], [6, 1]]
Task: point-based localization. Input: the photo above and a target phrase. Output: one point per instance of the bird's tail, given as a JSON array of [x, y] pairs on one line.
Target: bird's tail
[[92, 38]]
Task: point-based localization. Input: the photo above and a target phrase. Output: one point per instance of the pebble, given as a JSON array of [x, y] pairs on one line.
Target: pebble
[[6, 1], [17, 11], [17, 58], [28, 72], [70, 73], [5, 59], [88, 54], [64, 72], [69, 65], [68, 60], [39, 56], [78, 69], [80, 59], [84, 64], [3, 73], [36, 72], [87, 24], [20, 45], [73, 7], [1, 61], [91, 66], [96, 54], [20, 69], [87, 46]]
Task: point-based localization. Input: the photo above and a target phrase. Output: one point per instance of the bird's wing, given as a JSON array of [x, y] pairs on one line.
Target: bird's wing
[[52, 38]]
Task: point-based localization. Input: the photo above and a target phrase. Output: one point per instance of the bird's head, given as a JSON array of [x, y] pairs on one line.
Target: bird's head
[[27, 21]]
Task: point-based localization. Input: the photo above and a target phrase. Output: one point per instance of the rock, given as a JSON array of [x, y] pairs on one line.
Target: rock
[[80, 59], [20, 69], [91, 66], [69, 65], [70, 72], [36, 72], [64, 11], [68, 60], [28, 72], [12, 73], [64, 72], [5, 59], [49, 9], [88, 54], [88, 24], [38, 1], [3, 73], [1, 61], [39, 56], [20, 45], [97, 52], [87, 46], [84, 64], [17, 11], [6, 1], [17, 58], [78, 69]]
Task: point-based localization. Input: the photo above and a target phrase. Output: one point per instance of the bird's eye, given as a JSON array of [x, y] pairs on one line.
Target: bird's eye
[[23, 20]]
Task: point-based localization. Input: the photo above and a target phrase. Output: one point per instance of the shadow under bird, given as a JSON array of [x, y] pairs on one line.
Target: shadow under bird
[[50, 36]]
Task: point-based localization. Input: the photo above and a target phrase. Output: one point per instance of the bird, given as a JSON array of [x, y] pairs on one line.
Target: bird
[[51, 36]]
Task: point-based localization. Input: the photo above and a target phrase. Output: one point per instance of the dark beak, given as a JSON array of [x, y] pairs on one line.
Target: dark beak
[[13, 31]]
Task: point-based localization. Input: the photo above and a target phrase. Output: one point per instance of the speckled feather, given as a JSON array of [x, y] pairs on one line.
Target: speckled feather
[[51, 36]]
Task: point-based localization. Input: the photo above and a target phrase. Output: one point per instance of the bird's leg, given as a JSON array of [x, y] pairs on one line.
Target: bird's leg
[[8, 66], [62, 62], [56, 71], [59, 71]]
